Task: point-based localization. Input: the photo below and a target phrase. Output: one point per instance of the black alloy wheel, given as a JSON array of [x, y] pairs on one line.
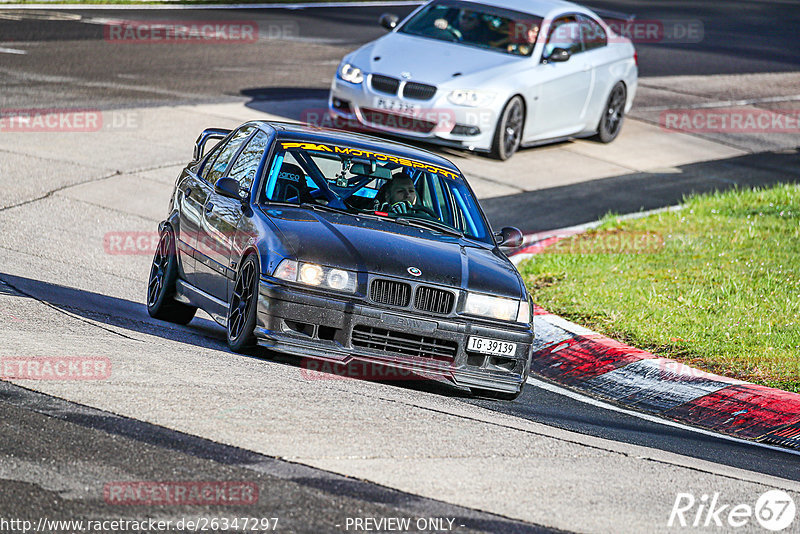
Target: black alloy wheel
[[161, 284], [508, 134], [242, 308], [611, 121]]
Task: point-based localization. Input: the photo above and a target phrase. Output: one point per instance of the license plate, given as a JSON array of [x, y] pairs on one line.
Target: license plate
[[396, 106], [491, 346]]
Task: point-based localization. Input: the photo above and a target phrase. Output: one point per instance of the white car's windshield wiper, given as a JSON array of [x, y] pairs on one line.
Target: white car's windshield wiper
[[430, 225]]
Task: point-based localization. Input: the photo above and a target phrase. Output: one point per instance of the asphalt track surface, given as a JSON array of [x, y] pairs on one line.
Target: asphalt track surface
[[736, 40]]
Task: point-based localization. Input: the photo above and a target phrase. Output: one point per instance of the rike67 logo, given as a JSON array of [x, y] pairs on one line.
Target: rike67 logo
[[774, 510]]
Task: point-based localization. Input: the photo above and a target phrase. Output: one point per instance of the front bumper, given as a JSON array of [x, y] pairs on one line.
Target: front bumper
[[334, 329], [436, 121]]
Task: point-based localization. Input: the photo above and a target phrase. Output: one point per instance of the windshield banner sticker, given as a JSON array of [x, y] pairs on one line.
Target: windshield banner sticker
[[357, 152]]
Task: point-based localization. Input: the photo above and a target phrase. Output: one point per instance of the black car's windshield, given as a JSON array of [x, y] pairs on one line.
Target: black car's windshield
[[476, 25], [356, 181]]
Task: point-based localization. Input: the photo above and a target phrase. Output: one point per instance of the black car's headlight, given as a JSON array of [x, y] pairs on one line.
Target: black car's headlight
[[312, 274], [500, 308], [351, 74]]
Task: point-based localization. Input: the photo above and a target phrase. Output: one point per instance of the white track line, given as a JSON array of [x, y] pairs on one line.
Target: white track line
[[726, 103], [647, 417], [12, 51]]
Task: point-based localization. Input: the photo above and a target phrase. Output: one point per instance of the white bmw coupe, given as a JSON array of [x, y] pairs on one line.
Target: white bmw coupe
[[492, 76]]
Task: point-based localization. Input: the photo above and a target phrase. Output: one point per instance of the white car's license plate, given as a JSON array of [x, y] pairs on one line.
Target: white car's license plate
[[396, 106], [491, 346]]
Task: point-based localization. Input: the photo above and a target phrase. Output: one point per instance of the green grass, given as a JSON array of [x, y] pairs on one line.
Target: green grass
[[715, 285]]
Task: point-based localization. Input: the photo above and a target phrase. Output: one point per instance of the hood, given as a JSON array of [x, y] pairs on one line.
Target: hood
[[383, 247], [426, 60]]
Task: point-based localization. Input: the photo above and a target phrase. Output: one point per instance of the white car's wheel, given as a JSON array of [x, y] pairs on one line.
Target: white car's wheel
[[611, 121], [508, 133]]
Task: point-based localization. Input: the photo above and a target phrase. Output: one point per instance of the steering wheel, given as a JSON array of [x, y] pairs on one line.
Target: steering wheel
[[455, 32], [426, 211], [444, 25]]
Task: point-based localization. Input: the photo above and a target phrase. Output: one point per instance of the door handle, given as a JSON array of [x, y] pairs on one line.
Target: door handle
[[209, 207]]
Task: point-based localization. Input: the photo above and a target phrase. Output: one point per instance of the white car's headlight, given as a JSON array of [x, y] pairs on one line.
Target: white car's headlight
[[351, 74], [464, 97], [494, 307], [316, 275]]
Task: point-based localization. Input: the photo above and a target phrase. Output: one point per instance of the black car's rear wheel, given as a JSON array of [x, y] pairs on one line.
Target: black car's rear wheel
[[242, 308], [611, 121], [161, 284], [508, 133]]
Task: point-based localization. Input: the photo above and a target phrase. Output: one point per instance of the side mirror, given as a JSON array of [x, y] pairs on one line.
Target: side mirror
[[559, 55], [509, 237], [209, 133], [388, 21], [228, 187]]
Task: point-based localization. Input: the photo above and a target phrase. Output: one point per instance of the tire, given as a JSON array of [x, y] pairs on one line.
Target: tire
[[242, 308], [497, 395], [611, 122], [161, 283], [508, 133]]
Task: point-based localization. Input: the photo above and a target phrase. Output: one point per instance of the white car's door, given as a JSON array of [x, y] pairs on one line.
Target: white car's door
[[605, 60], [561, 88]]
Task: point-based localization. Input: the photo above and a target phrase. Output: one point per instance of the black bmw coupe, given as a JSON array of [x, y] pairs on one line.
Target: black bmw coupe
[[343, 248]]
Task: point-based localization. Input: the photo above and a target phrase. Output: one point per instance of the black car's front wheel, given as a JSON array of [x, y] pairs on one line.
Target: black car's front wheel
[[508, 133], [161, 284], [611, 121], [242, 308]]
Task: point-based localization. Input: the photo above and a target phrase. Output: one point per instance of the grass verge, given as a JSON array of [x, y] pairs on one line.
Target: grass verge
[[715, 285]]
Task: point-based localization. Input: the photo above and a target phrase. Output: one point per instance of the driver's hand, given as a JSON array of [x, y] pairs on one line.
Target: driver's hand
[[400, 207]]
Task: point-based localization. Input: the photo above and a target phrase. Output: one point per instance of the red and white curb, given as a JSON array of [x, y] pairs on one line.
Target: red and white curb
[[596, 365]]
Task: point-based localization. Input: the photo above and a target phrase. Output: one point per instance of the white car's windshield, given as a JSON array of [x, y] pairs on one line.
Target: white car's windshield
[[358, 181], [476, 25]]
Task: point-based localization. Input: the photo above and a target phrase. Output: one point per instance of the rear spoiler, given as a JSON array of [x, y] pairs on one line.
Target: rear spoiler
[[209, 133], [614, 16]]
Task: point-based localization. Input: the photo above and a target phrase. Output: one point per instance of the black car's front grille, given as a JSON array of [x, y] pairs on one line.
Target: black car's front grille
[[433, 300], [419, 91], [385, 119], [390, 292], [385, 84], [370, 337]]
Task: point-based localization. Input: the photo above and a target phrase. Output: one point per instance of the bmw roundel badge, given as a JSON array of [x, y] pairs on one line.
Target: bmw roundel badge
[[413, 271]]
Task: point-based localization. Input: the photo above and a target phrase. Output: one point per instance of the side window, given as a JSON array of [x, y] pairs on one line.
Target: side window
[[440, 200], [288, 181], [216, 165], [565, 32], [246, 165], [593, 35]]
